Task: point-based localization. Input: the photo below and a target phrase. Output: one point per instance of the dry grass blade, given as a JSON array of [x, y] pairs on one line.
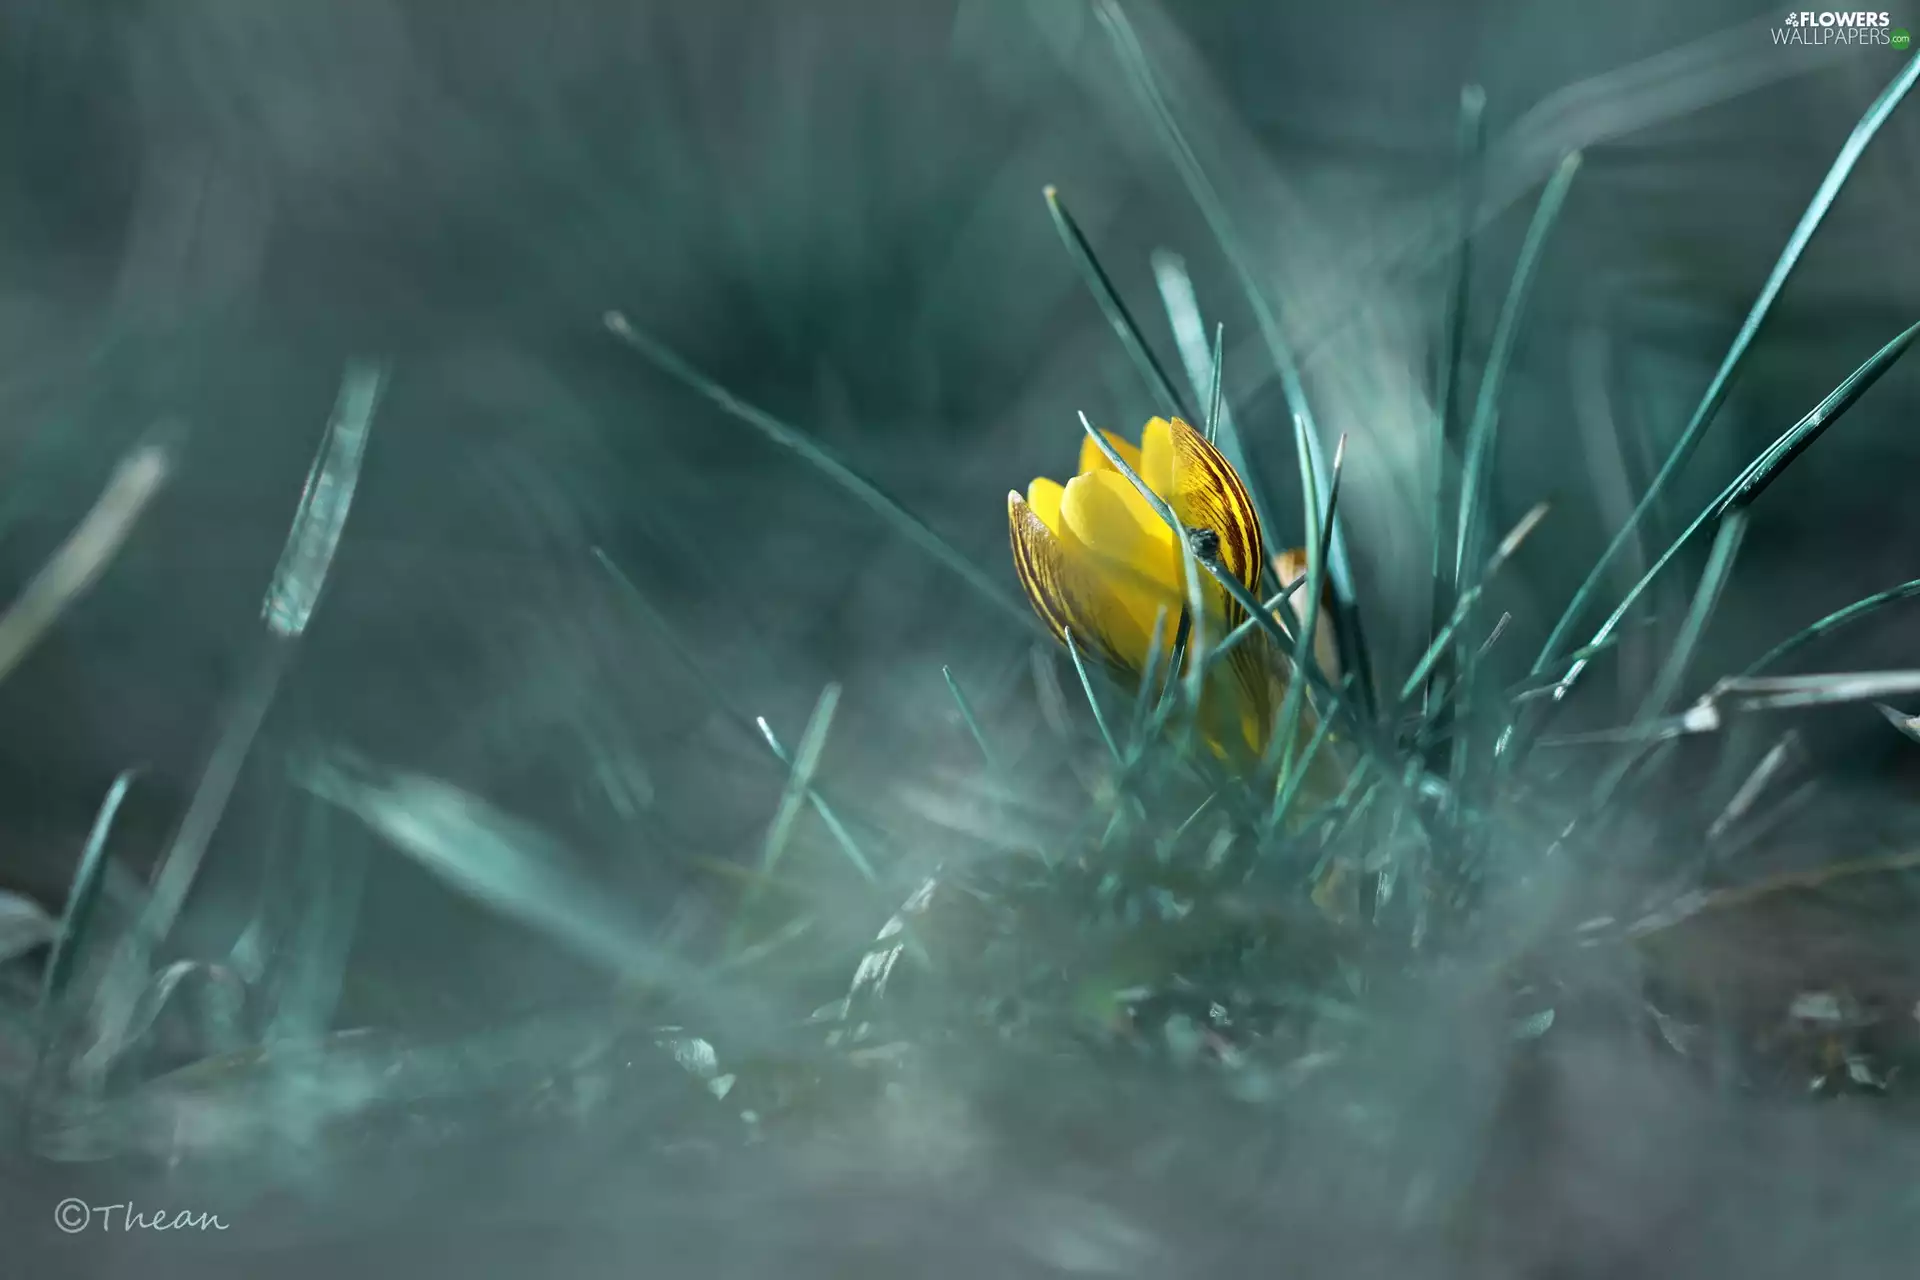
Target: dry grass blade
[[1468, 598], [84, 556], [1782, 755]]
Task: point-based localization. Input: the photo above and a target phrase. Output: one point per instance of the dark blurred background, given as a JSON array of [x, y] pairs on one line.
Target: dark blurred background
[[834, 210]]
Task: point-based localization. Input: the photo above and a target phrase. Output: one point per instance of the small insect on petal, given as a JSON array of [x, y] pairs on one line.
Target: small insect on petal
[[1208, 494]]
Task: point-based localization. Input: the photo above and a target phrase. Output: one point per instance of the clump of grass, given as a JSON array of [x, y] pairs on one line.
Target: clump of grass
[[1209, 915], [1132, 901]]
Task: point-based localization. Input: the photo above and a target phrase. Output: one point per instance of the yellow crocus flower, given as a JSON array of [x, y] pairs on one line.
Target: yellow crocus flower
[[1097, 560]]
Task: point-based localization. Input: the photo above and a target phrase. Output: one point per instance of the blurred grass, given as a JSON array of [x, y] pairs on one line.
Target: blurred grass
[[1130, 901]]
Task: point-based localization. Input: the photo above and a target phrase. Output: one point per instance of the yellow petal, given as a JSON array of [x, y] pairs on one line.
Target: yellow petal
[[1107, 526], [1287, 566], [1063, 592], [1157, 458], [1092, 459], [1043, 495], [1207, 494]]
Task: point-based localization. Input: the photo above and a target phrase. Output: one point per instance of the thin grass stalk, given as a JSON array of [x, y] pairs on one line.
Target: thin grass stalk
[[1159, 385], [1824, 196]]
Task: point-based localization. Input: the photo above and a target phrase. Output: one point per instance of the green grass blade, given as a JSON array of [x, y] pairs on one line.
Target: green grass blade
[[1508, 545], [1689, 439], [1706, 598], [329, 878], [1216, 402], [1247, 626], [828, 817], [82, 899], [1448, 380], [1101, 286], [1189, 335], [1476, 466], [1144, 695], [1752, 481], [1855, 612], [966, 714], [1093, 700], [1287, 788], [1141, 76], [324, 504], [1293, 703], [1481, 433], [910, 526], [1778, 456], [752, 727], [806, 760]]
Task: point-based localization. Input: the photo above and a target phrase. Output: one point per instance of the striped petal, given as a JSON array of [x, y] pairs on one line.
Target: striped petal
[[1044, 495], [1207, 494], [1061, 591]]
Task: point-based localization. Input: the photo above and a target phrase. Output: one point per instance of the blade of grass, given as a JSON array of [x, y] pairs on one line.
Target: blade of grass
[[1248, 625], [813, 741], [1649, 737], [286, 609], [1093, 700], [76, 919], [1141, 77], [1190, 338], [84, 556], [1754, 479], [1790, 693], [828, 818], [753, 727], [1834, 621], [515, 869], [331, 881], [1706, 598], [1829, 190], [1471, 148], [1740, 695], [324, 504], [1508, 545], [1293, 702], [1764, 774], [1483, 430], [1158, 384], [1144, 695], [905, 522], [1290, 781], [966, 715], [83, 897], [1216, 401]]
